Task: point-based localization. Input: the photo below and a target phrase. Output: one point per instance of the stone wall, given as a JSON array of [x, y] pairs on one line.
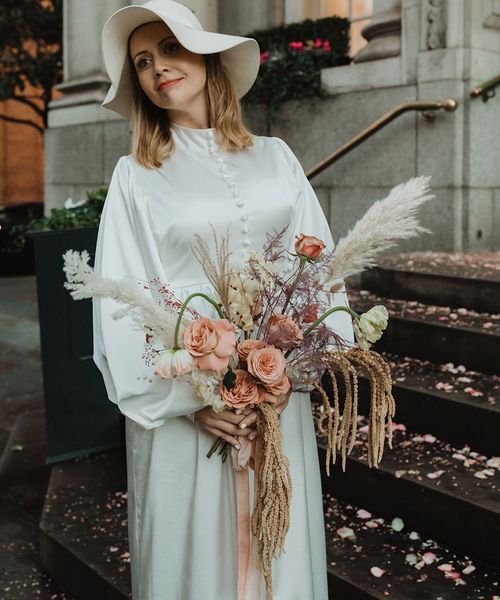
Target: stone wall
[[417, 50]]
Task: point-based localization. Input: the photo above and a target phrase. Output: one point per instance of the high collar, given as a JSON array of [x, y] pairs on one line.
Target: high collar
[[190, 138]]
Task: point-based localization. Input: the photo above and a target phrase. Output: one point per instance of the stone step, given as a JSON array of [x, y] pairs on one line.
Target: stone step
[[85, 542], [432, 288], [457, 405], [449, 493], [83, 529], [414, 565], [435, 333], [23, 482]]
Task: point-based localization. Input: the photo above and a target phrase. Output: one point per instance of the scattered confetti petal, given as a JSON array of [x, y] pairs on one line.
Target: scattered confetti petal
[[377, 572], [363, 514], [345, 532], [435, 474]]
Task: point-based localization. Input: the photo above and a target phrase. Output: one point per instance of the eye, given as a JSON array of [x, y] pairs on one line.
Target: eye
[[169, 45], [139, 63]]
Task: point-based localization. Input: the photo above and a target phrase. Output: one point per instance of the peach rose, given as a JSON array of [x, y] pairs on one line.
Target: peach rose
[[244, 392], [211, 343], [244, 347], [310, 313], [283, 332], [279, 388], [267, 364], [309, 246]]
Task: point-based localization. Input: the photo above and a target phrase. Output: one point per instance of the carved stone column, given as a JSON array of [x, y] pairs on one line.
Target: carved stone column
[[85, 80], [383, 32]]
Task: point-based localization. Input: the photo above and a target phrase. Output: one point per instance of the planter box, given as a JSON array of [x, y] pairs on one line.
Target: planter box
[[80, 419]]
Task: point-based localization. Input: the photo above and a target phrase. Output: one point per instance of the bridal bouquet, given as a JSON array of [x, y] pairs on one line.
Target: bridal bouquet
[[271, 336]]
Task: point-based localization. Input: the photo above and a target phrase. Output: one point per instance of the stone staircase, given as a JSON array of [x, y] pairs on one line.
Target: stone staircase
[[440, 480], [424, 525]]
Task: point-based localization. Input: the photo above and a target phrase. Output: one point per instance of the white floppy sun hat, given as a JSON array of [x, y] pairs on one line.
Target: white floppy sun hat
[[240, 55]]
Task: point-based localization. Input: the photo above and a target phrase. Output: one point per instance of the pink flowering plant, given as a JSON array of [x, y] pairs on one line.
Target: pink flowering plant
[[292, 56]]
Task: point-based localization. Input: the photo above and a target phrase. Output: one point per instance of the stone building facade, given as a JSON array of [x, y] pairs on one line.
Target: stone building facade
[[416, 50]]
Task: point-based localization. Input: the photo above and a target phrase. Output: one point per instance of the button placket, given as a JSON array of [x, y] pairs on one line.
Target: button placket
[[235, 192]]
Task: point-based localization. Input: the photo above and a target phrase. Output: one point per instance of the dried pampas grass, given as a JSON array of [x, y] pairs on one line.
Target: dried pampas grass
[[86, 283], [385, 222]]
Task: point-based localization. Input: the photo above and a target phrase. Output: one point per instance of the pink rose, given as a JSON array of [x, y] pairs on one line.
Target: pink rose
[[244, 347], [283, 332], [309, 246], [280, 388], [244, 392], [267, 364], [211, 343]]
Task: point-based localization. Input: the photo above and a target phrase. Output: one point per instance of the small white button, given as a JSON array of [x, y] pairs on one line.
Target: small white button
[[225, 177], [220, 160], [232, 183], [244, 217], [244, 229], [240, 203], [246, 242], [236, 193]]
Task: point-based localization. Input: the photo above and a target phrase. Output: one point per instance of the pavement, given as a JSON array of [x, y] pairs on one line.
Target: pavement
[[23, 472]]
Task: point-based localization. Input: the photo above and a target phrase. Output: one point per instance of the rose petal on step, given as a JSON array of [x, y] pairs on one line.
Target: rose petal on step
[[445, 567], [345, 532], [481, 475], [435, 474], [414, 535], [113, 549], [411, 559], [399, 473], [397, 524], [468, 569], [363, 514], [494, 461], [429, 438], [429, 558], [371, 524], [377, 571], [452, 575]]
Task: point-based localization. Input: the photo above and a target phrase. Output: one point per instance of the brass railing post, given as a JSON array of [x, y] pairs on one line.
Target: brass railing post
[[486, 89], [449, 105]]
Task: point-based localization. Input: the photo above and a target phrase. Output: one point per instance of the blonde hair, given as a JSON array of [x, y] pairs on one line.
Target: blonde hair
[[152, 140]]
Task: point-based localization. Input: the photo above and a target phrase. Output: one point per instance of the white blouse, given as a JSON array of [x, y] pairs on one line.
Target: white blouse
[[181, 505]]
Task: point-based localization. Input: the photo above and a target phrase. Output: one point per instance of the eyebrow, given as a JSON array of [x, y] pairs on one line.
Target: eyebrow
[[160, 42]]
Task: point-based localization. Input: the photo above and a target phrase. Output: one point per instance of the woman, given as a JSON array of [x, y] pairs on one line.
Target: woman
[[194, 165]]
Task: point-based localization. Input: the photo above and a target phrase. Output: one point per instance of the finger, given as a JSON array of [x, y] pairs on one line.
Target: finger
[[232, 428], [229, 416], [248, 421], [225, 436]]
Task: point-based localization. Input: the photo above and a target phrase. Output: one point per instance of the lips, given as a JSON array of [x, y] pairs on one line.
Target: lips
[[169, 83]]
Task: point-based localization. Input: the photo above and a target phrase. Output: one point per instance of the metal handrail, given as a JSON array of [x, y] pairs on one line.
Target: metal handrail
[[486, 89], [448, 105]]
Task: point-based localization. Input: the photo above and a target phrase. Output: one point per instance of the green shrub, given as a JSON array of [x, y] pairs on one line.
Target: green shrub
[[86, 215]]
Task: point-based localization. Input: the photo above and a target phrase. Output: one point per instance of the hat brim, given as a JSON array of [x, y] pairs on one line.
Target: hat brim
[[240, 55]]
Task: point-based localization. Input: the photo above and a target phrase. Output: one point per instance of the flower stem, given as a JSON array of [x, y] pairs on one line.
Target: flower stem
[[183, 308], [302, 264], [323, 316]]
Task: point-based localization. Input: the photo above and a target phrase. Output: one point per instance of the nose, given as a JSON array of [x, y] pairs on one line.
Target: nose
[[160, 64]]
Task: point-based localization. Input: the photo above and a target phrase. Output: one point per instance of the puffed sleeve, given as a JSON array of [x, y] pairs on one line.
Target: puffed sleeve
[[310, 219], [126, 247]]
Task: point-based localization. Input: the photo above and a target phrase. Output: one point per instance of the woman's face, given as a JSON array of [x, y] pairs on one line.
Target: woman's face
[[158, 57]]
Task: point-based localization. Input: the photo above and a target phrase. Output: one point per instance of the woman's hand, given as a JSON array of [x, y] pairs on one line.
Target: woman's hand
[[223, 424]]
